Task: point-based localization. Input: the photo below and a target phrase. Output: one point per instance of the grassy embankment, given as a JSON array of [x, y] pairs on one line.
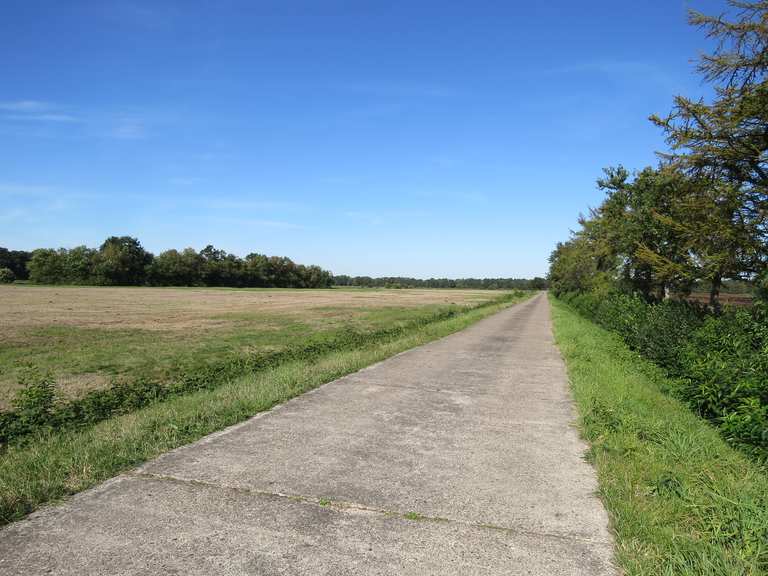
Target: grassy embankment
[[45, 466], [680, 499]]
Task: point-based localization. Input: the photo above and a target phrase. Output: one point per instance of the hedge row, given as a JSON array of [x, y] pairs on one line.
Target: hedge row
[[718, 363]]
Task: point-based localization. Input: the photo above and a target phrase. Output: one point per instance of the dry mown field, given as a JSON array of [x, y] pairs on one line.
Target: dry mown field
[[191, 308], [90, 337]]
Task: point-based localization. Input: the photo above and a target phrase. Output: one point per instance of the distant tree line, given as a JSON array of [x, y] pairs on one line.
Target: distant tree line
[[13, 265], [122, 261], [701, 216], [405, 282]]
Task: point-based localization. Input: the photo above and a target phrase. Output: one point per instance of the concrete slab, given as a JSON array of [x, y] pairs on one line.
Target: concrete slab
[[472, 432], [137, 526]]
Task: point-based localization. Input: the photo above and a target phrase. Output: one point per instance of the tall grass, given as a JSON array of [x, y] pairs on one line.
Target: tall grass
[[681, 501], [718, 364]]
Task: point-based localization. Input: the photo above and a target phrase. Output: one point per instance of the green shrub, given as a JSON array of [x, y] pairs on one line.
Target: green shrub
[[761, 290], [719, 362], [7, 276], [34, 402]]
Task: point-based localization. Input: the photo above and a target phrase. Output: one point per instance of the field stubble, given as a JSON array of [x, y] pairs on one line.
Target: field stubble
[[92, 337]]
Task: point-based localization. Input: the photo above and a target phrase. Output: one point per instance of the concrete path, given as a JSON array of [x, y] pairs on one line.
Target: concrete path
[[457, 457]]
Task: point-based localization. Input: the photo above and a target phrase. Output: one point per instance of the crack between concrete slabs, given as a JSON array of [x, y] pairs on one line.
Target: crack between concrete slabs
[[341, 506], [467, 392]]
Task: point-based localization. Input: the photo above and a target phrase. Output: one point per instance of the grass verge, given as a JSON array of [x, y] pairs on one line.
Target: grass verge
[[680, 499], [52, 465]]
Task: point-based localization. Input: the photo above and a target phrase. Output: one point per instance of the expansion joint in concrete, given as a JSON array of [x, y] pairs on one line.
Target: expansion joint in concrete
[[342, 506]]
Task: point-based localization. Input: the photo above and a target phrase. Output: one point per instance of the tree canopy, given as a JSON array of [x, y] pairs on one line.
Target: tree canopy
[[702, 214], [122, 261]]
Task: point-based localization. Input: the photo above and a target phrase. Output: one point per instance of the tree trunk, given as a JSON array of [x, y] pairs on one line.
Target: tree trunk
[[714, 293]]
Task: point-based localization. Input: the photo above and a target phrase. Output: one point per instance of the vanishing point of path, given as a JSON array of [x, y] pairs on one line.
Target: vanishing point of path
[[454, 458]]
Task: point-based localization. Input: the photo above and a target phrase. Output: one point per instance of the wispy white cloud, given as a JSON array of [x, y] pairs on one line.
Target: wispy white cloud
[[42, 117], [635, 70], [35, 111], [24, 190], [129, 128], [32, 203], [94, 123], [25, 106]]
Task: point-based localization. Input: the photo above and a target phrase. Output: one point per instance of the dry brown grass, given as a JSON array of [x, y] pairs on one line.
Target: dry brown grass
[[91, 337], [192, 308]]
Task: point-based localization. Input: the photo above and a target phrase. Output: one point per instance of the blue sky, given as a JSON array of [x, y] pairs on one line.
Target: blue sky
[[419, 138]]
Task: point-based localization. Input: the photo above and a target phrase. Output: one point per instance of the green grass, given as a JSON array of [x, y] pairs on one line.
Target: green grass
[[49, 466], [127, 355], [681, 501]]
